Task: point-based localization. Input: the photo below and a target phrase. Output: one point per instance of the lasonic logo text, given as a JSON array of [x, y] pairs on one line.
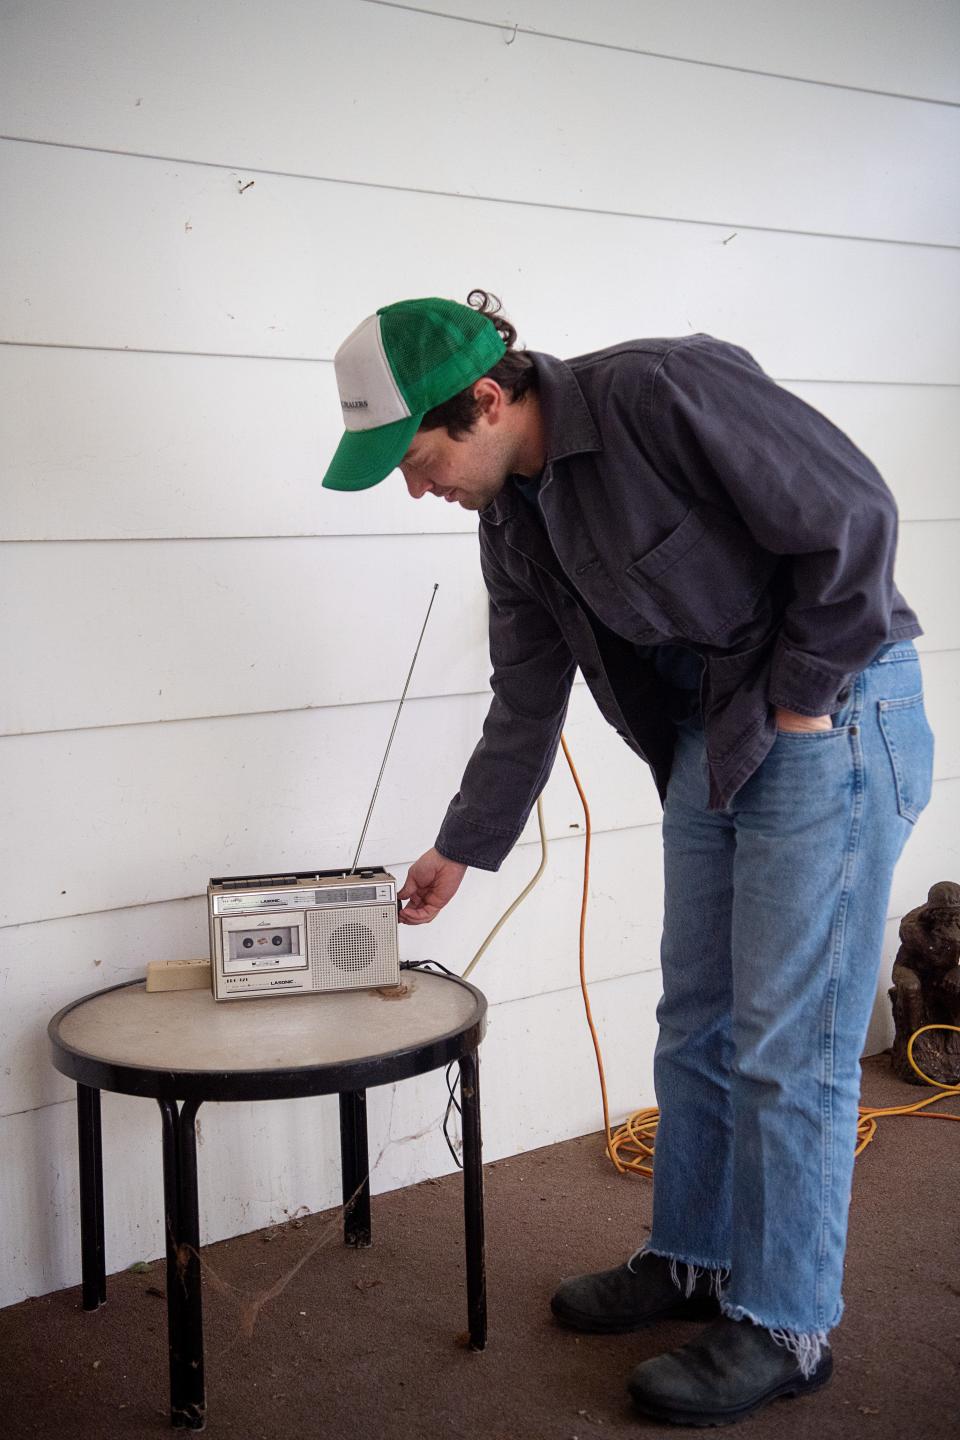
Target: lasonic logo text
[[354, 404]]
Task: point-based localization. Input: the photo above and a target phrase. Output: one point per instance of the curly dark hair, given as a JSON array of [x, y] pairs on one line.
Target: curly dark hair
[[514, 371]]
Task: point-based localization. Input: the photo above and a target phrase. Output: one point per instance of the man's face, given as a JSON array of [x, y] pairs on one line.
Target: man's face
[[470, 471]]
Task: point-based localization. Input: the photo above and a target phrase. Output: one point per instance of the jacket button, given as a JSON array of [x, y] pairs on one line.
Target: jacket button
[[844, 695]]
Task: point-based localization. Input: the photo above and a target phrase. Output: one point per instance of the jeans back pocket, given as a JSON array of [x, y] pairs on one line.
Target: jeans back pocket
[[909, 743]]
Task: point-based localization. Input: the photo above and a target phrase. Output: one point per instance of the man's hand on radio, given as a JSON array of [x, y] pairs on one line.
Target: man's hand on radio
[[431, 881]]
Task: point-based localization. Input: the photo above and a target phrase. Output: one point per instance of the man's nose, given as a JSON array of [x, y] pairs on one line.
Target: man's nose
[[418, 487]]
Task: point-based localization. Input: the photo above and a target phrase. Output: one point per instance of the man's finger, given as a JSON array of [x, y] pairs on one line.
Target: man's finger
[[416, 915]]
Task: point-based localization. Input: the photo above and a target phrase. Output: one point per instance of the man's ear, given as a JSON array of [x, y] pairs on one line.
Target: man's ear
[[489, 396]]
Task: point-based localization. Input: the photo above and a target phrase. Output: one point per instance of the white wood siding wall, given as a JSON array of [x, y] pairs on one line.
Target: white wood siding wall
[[202, 651]]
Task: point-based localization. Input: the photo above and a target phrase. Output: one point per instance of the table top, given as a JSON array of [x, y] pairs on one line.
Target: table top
[[182, 1044]]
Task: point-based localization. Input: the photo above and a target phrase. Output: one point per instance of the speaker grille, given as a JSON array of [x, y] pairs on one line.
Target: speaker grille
[[353, 948]]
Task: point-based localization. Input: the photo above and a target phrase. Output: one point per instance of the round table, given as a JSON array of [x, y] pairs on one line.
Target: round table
[[181, 1047]]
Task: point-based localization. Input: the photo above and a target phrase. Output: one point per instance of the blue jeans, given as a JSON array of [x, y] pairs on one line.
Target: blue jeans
[[773, 927]]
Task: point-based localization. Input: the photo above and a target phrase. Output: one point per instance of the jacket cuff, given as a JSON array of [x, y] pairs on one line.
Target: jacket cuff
[[808, 687], [471, 844]]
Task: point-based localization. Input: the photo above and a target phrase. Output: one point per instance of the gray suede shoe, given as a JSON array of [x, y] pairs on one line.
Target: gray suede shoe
[[613, 1302], [730, 1370]]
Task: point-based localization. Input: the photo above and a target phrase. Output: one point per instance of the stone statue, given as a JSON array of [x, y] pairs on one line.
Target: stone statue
[[926, 987]]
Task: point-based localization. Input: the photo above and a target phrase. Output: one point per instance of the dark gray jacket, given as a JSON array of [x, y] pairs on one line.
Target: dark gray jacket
[[686, 499]]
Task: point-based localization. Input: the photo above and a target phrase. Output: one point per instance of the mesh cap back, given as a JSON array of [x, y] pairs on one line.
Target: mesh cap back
[[436, 348]]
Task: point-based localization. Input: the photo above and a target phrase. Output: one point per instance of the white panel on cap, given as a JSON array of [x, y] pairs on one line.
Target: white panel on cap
[[368, 391]]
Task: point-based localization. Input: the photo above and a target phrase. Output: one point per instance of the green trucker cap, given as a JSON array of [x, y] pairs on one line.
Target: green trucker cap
[[397, 365]]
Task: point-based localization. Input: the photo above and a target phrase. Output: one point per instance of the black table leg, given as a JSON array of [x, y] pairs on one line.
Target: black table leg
[[92, 1255], [182, 1229], [355, 1168], [473, 1199]]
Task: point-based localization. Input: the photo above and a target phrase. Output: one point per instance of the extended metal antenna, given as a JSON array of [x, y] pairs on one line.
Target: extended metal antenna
[[376, 788]]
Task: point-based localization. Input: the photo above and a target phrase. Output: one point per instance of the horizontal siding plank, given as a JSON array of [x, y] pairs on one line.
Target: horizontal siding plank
[[703, 143], [173, 258], [48, 965], [930, 582], [115, 815], [113, 445], [941, 683], [911, 433], [153, 630], [892, 45], [520, 1059]]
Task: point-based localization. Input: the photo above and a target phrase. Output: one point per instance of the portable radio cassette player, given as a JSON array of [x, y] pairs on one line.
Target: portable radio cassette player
[[313, 930]]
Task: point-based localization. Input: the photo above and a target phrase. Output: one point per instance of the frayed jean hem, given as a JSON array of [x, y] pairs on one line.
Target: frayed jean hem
[[719, 1274], [808, 1347]]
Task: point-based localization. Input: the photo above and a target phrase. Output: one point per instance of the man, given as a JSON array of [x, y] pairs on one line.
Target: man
[[717, 558]]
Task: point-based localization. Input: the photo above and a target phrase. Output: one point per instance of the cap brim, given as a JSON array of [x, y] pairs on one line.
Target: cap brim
[[365, 457]]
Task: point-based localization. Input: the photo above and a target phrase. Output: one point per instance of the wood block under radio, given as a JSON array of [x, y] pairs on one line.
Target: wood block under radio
[[178, 975]]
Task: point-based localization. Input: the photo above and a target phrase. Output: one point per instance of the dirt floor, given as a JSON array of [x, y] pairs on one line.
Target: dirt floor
[[368, 1344]]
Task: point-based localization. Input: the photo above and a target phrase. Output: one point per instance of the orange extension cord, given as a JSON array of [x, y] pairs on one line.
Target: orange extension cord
[[631, 1146]]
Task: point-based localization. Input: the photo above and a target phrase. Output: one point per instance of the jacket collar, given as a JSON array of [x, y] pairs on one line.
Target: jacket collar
[[569, 426]]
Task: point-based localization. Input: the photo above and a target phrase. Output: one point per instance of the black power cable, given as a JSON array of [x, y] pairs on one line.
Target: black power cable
[[453, 1103]]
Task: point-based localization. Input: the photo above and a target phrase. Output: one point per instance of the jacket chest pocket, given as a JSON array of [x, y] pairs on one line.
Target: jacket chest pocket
[[705, 577]]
